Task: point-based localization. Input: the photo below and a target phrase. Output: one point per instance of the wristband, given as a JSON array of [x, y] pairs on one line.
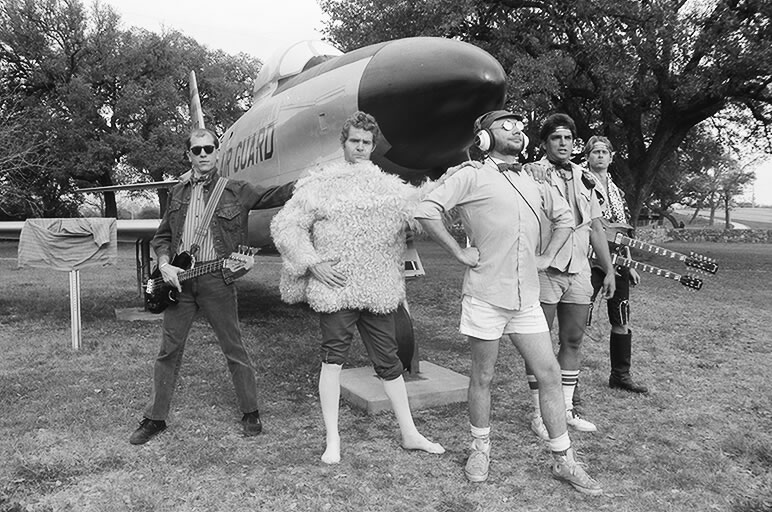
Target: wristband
[[162, 265]]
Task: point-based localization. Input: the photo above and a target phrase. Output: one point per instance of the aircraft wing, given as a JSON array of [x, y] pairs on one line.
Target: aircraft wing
[[132, 186], [10, 230], [128, 230]]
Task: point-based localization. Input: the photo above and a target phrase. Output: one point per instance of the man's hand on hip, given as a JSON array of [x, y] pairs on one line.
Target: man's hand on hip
[[326, 273], [469, 256]]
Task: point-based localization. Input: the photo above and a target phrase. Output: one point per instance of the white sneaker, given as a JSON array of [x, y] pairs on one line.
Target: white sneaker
[[537, 425], [567, 469], [578, 423], [476, 469]]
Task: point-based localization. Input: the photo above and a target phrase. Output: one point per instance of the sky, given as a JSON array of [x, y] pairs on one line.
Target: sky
[[255, 27], [762, 187]]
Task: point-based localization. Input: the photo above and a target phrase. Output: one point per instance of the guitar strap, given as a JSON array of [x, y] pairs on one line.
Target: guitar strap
[[203, 226]]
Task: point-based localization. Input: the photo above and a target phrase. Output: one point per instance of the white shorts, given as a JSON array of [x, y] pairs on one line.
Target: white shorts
[[488, 322]]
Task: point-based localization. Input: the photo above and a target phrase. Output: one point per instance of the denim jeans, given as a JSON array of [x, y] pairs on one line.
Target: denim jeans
[[219, 304]]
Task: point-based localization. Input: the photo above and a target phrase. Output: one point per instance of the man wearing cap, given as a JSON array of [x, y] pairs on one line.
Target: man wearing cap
[[501, 209], [565, 282]]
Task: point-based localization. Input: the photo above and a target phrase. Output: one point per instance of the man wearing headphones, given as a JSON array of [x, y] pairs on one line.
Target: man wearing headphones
[[565, 282], [500, 208]]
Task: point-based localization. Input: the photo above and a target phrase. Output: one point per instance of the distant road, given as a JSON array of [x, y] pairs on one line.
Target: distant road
[[756, 215]]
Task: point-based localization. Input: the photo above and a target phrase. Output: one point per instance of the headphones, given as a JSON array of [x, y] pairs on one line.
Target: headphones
[[483, 137]]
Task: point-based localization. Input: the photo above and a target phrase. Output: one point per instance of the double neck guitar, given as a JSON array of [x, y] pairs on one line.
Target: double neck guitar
[[692, 261], [695, 261], [695, 283]]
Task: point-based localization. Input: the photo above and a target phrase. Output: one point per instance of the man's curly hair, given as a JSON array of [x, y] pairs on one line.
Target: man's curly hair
[[363, 121]]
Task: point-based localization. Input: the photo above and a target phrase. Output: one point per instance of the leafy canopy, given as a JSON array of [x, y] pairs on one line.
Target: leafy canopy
[[643, 73]]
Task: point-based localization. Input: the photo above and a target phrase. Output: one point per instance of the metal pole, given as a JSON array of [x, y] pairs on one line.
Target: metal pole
[[75, 308]]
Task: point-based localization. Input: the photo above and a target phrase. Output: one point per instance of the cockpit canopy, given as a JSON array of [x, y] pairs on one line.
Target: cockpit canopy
[[290, 61]]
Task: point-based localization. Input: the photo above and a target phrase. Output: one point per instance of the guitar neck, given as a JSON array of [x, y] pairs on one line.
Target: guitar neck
[[207, 268], [688, 281], [621, 239], [236, 265], [637, 265]]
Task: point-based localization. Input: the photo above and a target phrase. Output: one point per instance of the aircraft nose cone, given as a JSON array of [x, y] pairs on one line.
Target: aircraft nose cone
[[426, 109]]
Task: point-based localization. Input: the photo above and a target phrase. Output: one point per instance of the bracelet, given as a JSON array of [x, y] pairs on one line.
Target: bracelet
[[162, 265]]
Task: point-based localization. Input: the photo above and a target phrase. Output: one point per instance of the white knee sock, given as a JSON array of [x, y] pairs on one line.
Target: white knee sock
[[329, 397], [570, 378], [411, 438], [533, 386]]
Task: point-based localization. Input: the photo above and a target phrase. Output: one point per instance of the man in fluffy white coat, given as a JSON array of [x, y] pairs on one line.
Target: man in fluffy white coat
[[342, 239]]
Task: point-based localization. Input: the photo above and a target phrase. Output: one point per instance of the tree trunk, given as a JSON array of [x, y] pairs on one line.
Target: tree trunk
[[163, 198], [696, 212], [111, 207], [727, 213]]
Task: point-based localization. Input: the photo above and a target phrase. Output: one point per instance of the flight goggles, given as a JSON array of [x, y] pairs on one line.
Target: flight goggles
[[512, 125]]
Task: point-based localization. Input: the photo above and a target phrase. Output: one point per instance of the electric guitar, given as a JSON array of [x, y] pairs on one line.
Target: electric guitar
[[159, 294], [694, 260], [690, 282]]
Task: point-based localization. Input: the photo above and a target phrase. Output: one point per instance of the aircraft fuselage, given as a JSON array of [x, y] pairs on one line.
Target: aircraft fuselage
[[425, 94]]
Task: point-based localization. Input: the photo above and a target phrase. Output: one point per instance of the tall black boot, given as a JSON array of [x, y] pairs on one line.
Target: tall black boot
[[620, 346]]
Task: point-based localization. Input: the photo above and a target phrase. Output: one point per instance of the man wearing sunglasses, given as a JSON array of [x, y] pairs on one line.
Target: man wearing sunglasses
[[212, 293], [501, 208]]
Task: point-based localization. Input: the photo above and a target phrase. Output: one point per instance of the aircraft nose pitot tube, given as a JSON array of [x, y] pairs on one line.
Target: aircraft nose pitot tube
[[426, 109]]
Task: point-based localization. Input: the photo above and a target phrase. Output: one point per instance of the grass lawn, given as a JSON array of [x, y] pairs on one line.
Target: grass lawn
[[700, 441]]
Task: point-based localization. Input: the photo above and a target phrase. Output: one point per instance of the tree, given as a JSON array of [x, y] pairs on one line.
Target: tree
[[732, 184], [642, 73], [111, 98], [25, 165], [705, 172], [686, 178]]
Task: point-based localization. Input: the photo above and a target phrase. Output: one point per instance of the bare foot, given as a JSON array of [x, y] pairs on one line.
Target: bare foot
[[332, 454], [419, 442]]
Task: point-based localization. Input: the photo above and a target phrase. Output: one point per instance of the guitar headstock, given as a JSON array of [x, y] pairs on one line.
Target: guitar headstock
[[695, 283], [701, 263], [240, 262]]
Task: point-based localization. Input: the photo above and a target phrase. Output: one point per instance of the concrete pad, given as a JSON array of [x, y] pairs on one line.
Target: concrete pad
[[136, 314], [433, 386]]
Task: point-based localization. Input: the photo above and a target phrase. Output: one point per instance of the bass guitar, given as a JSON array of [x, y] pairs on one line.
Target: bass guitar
[[694, 283], [159, 294]]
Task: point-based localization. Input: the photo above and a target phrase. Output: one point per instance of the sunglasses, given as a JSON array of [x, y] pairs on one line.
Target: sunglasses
[[196, 150], [510, 125]]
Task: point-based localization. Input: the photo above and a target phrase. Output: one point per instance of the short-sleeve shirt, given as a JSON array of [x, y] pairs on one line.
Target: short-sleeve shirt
[[500, 212], [573, 257]]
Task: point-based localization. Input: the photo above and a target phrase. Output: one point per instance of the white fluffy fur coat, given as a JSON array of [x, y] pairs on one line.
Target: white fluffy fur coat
[[353, 214]]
